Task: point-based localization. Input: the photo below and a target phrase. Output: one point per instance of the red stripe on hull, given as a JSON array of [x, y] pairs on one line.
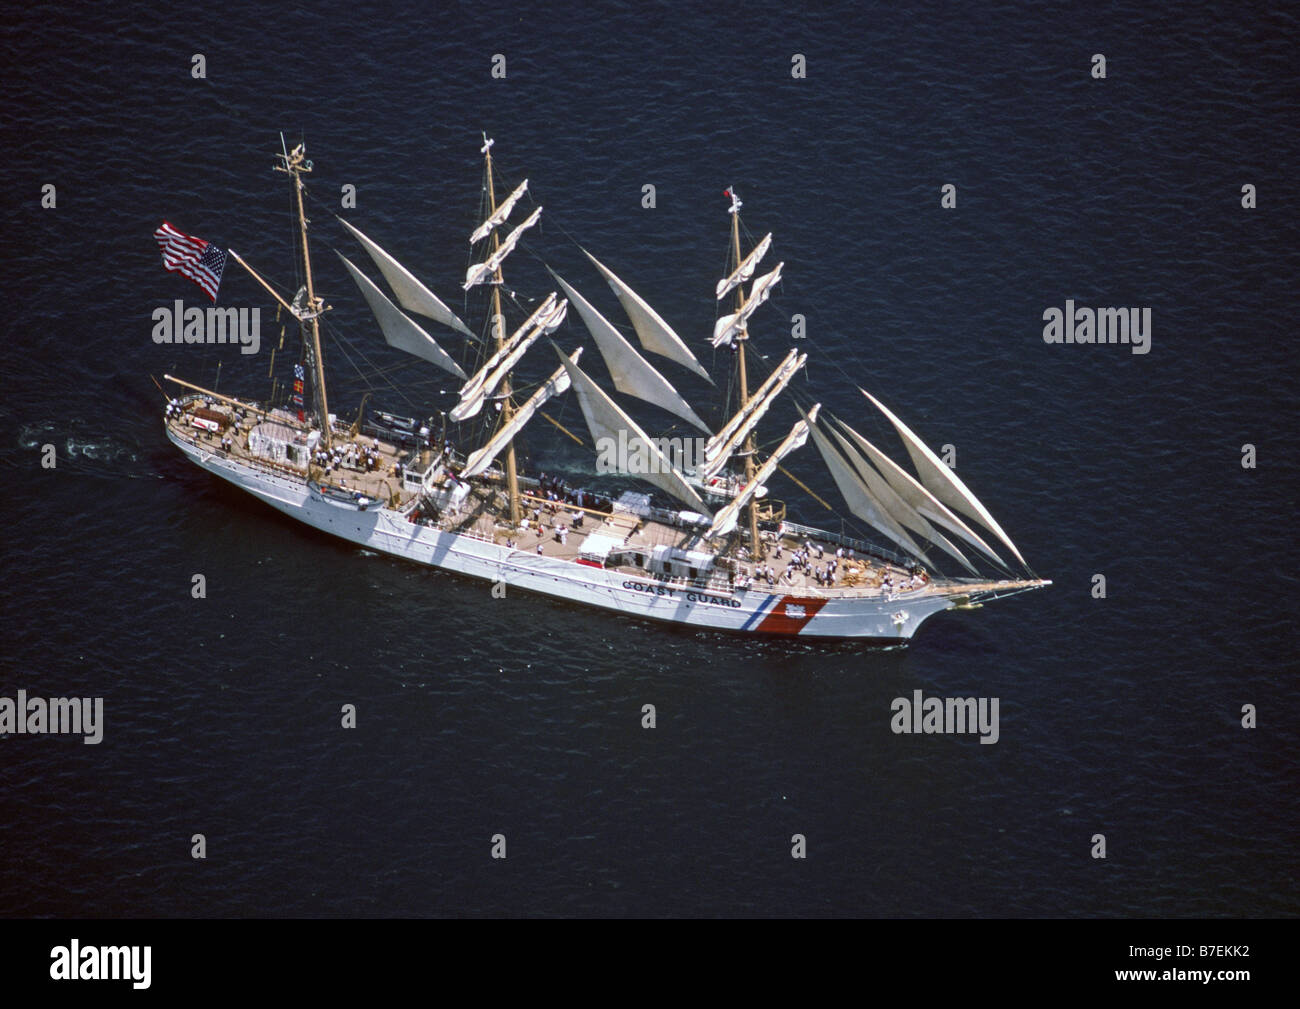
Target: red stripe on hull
[[790, 616]]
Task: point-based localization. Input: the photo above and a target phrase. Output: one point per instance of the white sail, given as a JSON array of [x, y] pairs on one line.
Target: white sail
[[656, 335], [480, 272], [897, 509], [746, 269], [399, 329], [411, 294], [925, 503], [727, 429], [499, 217], [553, 386], [725, 521], [606, 422], [632, 373], [729, 326], [475, 383], [859, 498], [942, 482], [762, 288], [471, 405], [716, 454]]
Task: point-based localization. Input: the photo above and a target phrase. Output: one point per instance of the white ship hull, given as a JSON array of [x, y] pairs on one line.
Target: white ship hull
[[756, 610]]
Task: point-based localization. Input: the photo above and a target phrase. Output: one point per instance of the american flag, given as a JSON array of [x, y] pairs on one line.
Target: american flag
[[201, 261]]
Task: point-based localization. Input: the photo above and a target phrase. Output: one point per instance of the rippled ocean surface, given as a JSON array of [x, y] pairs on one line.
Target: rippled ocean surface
[[522, 717]]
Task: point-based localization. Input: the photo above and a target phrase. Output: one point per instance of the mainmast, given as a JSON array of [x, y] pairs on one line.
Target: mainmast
[[296, 164], [498, 322], [756, 545]]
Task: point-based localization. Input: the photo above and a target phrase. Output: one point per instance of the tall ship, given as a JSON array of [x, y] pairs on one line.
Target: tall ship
[[677, 528]]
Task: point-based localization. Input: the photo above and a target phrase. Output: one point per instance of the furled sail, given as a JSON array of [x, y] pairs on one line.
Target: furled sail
[[498, 218], [725, 521], [480, 272], [717, 453], [942, 482], [897, 509], [746, 269], [925, 503], [475, 383], [729, 326], [400, 330], [471, 405], [606, 421], [859, 498], [632, 373], [727, 429], [656, 335], [411, 294], [553, 386]]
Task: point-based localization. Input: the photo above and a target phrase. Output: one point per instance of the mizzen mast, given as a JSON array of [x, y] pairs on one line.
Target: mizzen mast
[[756, 544], [295, 163]]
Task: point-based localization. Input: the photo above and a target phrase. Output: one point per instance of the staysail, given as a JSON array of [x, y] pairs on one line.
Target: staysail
[[859, 498], [632, 373], [725, 521], [399, 329], [897, 509], [925, 503], [553, 386], [499, 217], [607, 422], [411, 294], [656, 335], [942, 482]]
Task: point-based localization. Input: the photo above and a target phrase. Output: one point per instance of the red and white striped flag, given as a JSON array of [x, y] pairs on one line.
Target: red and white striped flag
[[201, 261]]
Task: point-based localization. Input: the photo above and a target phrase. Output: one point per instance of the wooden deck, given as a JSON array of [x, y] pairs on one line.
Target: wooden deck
[[380, 484]]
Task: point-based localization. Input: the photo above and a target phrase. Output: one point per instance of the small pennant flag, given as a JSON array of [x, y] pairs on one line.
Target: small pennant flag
[[201, 261]]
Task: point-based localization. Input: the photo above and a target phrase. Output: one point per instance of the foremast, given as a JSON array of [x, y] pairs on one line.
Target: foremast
[[295, 164], [499, 324]]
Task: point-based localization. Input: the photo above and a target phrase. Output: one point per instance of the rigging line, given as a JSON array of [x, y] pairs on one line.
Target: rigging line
[[365, 380], [343, 342], [854, 383]]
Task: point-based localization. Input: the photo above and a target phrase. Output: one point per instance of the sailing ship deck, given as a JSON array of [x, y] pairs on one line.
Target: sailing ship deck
[[481, 514]]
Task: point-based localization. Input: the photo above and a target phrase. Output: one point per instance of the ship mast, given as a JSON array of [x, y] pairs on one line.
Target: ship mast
[[498, 323], [756, 545], [296, 164]]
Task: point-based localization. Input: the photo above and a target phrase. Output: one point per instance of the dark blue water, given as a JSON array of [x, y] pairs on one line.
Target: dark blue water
[[522, 716]]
